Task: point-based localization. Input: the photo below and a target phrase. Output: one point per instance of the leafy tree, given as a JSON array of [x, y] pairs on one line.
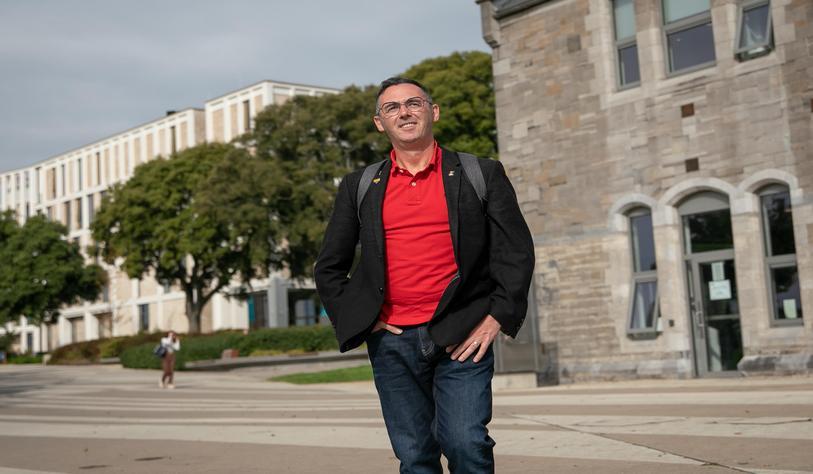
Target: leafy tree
[[463, 85], [40, 270], [313, 141], [199, 220], [310, 142]]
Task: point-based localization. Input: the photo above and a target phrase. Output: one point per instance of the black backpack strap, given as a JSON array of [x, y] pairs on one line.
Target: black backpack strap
[[364, 184], [475, 174]]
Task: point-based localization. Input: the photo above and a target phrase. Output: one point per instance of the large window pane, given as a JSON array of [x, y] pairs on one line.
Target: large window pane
[[674, 10], [691, 47], [778, 217], [708, 231], [628, 65], [624, 13], [644, 304], [643, 243], [786, 296], [754, 27]]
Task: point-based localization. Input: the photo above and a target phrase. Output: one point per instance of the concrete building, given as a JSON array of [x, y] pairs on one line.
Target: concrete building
[[661, 151], [69, 188]]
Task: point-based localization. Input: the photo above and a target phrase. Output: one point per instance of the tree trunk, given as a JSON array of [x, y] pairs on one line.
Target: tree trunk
[[193, 316], [41, 331]]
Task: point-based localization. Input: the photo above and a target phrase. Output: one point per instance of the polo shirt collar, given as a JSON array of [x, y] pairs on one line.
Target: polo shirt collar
[[434, 163]]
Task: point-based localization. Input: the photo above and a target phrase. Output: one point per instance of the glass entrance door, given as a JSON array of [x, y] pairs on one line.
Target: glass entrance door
[[712, 284], [715, 314]]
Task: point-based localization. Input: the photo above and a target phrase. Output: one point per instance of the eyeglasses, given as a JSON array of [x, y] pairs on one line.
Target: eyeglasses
[[391, 109]]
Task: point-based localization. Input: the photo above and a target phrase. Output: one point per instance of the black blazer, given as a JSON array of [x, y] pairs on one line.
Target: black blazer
[[492, 244]]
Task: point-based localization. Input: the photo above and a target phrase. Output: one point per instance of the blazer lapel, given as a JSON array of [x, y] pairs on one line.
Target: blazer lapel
[[377, 190], [451, 186]]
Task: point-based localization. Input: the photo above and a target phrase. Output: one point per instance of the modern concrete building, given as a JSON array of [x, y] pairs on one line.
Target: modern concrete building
[[661, 151], [69, 188]]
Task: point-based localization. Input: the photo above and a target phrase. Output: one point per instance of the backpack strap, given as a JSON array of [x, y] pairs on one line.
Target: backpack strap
[[364, 184], [475, 174]]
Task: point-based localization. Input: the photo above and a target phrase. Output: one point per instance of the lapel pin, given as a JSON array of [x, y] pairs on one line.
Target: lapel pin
[[376, 180], [451, 173]]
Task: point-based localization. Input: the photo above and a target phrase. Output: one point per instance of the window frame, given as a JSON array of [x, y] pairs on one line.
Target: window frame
[[638, 277], [677, 26], [143, 310], [743, 53], [773, 262], [623, 44]]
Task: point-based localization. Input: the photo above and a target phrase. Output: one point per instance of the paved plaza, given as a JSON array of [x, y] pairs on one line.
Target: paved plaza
[[107, 419]]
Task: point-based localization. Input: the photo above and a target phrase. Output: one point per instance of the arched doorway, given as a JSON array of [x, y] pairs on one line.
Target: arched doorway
[[708, 250]]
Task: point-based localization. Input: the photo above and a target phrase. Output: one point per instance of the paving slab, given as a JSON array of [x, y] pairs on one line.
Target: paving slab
[[109, 419]]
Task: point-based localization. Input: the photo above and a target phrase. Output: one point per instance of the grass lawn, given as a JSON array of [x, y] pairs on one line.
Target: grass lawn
[[351, 374]]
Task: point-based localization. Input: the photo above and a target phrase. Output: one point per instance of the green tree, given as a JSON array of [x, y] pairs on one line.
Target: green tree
[[40, 271], [312, 141], [200, 220], [462, 84]]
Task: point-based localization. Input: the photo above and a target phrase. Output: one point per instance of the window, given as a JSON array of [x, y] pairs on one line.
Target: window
[[173, 142], [143, 318], [246, 116], [688, 32], [625, 45], [780, 256], [79, 173], [754, 30], [62, 179], [79, 224], [37, 185], [91, 209], [67, 220], [98, 168], [644, 310]]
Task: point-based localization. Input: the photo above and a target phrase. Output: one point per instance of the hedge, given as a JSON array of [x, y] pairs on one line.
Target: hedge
[[204, 347], [23, 359], [89, 352], [301, 338]]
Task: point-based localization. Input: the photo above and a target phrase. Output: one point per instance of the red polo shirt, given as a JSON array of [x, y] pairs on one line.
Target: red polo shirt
[[419, 254]]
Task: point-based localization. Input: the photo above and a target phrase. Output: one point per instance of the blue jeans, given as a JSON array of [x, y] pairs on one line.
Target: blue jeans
[[433, 404]]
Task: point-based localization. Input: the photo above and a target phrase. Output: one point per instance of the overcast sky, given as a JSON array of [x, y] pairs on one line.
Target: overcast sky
[[75, 71]]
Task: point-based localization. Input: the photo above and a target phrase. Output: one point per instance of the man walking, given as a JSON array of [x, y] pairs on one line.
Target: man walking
[[446, 263]]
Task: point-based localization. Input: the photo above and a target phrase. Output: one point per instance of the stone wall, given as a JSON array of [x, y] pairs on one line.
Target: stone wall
[[581, 153]]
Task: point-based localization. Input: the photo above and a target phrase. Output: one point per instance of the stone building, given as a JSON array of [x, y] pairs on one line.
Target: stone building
[[69, 188], [661, 151]]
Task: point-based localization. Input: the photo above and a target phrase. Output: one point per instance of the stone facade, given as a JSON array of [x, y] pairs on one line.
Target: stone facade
[[582, 152]]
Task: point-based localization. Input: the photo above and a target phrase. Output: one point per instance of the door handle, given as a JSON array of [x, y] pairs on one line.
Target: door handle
[[698, 319]]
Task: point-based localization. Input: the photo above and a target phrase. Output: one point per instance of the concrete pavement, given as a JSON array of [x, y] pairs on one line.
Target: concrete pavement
[[108, 419]]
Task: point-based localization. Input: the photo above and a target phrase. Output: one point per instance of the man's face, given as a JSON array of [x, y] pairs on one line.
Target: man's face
[[406, 126]]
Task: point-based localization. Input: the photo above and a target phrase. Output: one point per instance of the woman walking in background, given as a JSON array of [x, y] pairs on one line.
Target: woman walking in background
[[171, 344]]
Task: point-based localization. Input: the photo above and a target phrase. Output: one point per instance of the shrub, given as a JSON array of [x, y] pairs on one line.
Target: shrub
[[135, 352], [77, 353], [300, 338], [24, 359], [202, 347], [113, 347], [89, 352], [206, 347], [141, 357]]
